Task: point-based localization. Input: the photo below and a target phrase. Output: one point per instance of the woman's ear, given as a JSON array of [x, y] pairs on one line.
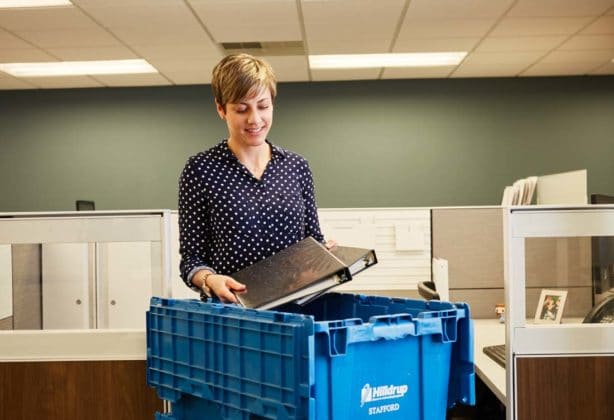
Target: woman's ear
[[221, 111]]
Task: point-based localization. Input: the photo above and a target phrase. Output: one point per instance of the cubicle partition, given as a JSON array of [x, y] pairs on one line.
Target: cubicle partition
[[75, 287], [471, 240], [561, 370]]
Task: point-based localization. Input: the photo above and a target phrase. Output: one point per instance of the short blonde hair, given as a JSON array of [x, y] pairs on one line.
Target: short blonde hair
[[238, 75]]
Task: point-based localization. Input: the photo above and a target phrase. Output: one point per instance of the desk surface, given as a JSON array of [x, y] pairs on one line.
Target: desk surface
[[488, 332]]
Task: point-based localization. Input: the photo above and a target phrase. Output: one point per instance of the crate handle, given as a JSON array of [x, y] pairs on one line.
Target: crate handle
[[392, 327], [338, 341]]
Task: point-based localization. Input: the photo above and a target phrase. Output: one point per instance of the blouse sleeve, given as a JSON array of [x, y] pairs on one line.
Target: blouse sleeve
[[193, 245], [312, 223]]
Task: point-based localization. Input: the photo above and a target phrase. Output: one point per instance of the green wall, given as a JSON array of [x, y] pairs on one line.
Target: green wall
[[370, 144]]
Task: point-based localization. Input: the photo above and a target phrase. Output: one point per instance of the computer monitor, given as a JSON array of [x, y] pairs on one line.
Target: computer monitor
[[602, 248], [85, 205], [602, 199]]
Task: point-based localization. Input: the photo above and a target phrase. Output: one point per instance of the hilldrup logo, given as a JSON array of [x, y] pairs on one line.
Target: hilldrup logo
[[383, 392]]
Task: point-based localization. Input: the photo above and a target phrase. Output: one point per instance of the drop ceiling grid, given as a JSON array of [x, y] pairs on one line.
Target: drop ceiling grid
[[502, 36]]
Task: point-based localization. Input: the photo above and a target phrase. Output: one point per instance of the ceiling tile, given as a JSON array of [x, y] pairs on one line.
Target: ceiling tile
[[570, 62], [204, 66], [594, 57], [92, 37], [289, 68], [349, 46], [350, 26], [558, 8], [417, 72], [485, 70], [178, 52], [589, 42], [503, 58], [457, 9], [24, 55], [99, 53], [607, 68], [8, 83], [188, 77], [63, 82], [44, 19], [500, 64], [539, 26], [558, 69], [240, 21], [158, 13], [524, 43], [10, 41], [435, 44], [147, 35], [148, 79], [603, 25], [444, 28], [345, 74], [377, 13]]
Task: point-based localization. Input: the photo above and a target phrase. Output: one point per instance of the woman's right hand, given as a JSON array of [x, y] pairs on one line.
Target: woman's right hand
[[224, 287]]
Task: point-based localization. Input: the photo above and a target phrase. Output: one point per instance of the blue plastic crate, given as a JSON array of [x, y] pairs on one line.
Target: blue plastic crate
[[342, 356]]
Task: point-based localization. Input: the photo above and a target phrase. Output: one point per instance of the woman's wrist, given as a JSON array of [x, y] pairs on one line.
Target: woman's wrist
[[201, 281]]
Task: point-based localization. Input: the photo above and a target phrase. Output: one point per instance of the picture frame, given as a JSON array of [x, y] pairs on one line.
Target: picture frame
[[550, 306]]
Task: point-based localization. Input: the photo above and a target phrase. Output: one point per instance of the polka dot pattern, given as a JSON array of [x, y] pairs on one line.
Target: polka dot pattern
[[228, 219]]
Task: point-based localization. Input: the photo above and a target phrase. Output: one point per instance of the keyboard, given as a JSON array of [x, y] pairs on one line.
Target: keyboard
[[497, 353]]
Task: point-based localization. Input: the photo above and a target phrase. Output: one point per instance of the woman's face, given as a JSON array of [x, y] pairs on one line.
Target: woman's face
[[249, 120]]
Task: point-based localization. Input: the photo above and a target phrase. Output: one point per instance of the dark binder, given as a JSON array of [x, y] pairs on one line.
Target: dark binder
[[302, 270], [356, 259]]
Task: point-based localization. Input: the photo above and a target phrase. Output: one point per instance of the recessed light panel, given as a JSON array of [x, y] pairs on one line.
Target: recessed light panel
[[77, 68], [358, 61]]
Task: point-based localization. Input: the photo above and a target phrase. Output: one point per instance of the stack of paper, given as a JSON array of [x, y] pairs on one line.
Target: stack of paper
[[520, 193]]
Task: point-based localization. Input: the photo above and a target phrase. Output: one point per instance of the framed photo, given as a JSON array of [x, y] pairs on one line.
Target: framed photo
[[550, 306]]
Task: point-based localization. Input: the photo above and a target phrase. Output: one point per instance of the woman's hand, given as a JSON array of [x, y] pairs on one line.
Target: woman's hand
[[219, 285], [330, 244], [224, 287]]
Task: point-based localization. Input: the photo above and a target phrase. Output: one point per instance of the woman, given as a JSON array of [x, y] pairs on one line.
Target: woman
[[244, 199]]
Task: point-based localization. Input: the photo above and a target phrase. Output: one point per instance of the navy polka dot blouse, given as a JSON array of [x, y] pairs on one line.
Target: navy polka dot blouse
[[228, 219]]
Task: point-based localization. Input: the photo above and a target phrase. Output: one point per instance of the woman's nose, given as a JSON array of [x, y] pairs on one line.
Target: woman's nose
[[253, 117]]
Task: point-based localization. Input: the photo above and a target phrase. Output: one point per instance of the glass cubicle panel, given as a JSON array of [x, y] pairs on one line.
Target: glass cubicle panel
[[565, 277], [81, 271], [554, 272]]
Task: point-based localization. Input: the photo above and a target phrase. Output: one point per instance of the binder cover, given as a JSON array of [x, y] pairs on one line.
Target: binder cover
[[357, 260], [302, 269]]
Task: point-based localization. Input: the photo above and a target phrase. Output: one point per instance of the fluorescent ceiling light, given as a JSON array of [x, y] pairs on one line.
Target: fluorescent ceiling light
[[77, 68], [7, 4], [363, 61]]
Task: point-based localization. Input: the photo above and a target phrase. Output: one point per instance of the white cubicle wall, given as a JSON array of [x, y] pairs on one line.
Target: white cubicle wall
[[400, 236], [6, 282], [97, 269]]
